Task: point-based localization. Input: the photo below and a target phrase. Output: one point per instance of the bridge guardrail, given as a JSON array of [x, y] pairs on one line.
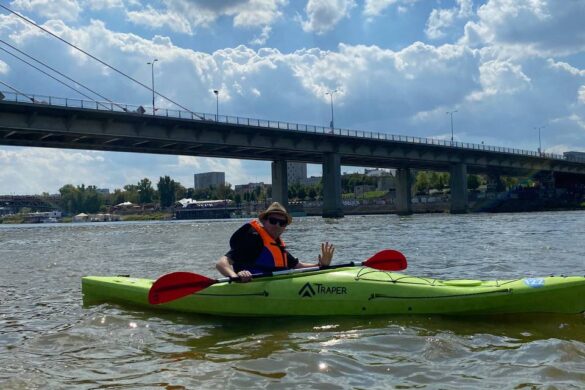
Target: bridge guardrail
[[236, 120]]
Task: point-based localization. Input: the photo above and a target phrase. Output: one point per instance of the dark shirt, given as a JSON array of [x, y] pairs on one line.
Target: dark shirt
[[246, 246]]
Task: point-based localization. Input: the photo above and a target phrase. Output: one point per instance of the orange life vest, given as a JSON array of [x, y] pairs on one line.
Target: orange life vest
[[273, 254]]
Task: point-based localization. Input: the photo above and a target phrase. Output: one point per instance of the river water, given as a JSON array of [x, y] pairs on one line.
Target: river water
[[49, 340]]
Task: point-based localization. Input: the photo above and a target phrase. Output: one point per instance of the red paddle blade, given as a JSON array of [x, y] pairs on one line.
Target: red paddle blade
[[387, 260], [177, 285]]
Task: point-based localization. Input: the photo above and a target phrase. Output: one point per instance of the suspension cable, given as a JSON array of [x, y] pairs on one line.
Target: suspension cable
[[98, 60], [32, 99], [59, 73], [53, 77]]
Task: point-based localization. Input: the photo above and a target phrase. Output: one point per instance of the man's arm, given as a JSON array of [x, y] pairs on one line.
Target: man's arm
[[225, 267]]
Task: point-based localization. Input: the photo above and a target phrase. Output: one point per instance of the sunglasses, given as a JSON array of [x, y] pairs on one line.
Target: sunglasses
[[280, 222]]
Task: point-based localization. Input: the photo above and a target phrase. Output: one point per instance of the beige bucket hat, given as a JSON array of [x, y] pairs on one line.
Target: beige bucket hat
[[275, 208]]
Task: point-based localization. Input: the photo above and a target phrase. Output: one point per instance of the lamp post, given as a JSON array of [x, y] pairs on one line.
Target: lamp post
[[330, 93], [216, 92], [152, 75], [539, 141], [451, 114]]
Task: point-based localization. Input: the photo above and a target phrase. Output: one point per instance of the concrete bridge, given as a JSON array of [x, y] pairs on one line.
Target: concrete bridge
[[77, 124]]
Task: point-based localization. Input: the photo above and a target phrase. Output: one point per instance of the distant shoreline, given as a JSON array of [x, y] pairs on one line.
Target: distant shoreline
[[508, 206]]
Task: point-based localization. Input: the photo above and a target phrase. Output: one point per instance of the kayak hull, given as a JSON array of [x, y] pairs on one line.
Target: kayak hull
[[354, 291]]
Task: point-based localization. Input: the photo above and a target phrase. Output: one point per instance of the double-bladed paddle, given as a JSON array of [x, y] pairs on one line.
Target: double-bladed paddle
[[176, 285]]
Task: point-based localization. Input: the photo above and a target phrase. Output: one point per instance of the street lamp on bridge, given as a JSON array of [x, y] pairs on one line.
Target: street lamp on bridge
[[152, 75], [451, 114], [330, 93], [539, 141], [216, 92]]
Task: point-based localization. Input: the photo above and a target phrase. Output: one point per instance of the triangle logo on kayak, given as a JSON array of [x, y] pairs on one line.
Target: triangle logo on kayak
[[307, 291]]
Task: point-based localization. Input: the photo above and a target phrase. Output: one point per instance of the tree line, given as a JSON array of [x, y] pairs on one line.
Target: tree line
[[81, 198], [76, 199]]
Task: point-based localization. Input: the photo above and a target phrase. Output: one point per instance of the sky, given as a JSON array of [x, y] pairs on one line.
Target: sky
[[507, 67]]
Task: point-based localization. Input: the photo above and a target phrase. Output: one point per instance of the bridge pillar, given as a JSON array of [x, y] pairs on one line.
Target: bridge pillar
[[458, 188], [280, 183], [403, 191], [332, 206]]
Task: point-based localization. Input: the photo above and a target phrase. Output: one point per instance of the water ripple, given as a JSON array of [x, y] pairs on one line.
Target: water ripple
[[48, 340]]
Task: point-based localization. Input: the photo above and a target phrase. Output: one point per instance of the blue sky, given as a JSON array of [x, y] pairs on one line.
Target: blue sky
[[506, 66]]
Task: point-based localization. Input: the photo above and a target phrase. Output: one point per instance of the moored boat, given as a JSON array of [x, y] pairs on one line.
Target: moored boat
[[354, 291]]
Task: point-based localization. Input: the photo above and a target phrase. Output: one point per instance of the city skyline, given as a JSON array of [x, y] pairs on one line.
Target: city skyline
[[501, 72]]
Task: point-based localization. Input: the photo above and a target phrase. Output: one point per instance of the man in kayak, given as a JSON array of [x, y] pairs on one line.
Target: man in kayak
[[257, 247]]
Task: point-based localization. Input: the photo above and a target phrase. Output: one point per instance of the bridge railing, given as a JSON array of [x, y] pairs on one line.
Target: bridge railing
[[264, 123]]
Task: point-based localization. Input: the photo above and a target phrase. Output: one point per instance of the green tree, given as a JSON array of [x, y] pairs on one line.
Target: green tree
[[180, 191], [92, 201], [438, 180], [302, 193], [190, 193], [202, 194], [131, 193], [223, 191], [145, 191], [118, 197], [68, 200], [422, 182], [167, 191], [80, 199], [293, 191]]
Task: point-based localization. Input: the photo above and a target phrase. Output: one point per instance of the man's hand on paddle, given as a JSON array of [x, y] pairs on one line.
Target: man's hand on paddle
[[245, 276]]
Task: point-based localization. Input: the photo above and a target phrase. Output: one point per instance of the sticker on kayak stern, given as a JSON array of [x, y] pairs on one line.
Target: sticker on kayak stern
[[534, 282], [309, 290]]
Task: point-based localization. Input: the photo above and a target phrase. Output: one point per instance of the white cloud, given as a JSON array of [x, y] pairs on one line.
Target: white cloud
[[324, 15], [189, 161], [438, 21], [376, 7], [98, 5], [563, 66], [237, 172], [190, 15], [36, 170], [373, 8], [501, 77], [157, 19], [442, 19], [257, 12], [4, 68], [263, 37], [535, 27], [52, 9], [581, 95]]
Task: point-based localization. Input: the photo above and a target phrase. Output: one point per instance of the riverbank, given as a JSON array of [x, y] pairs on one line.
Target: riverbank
[[418, 207], [144, 216]]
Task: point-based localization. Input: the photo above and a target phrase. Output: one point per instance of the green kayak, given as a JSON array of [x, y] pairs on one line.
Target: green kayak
[[354, 291]]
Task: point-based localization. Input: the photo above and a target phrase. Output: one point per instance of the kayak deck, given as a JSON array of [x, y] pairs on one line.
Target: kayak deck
[[354, 291]]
